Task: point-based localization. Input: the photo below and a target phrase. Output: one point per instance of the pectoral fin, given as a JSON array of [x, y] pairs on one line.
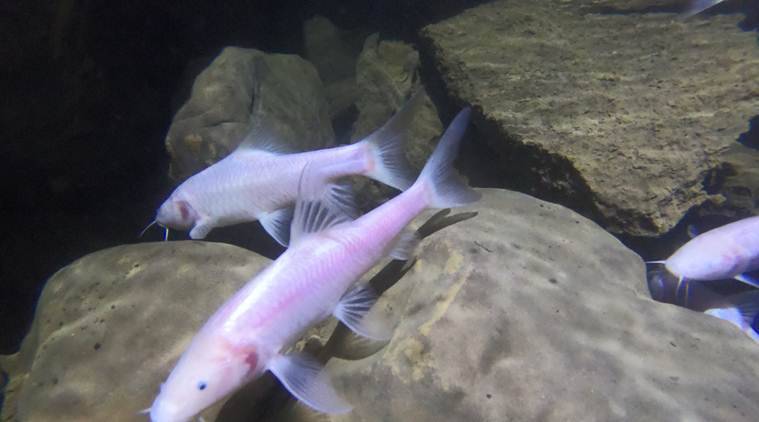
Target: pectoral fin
[[201, 229], [277, 224], [353, 310], [305, 379]]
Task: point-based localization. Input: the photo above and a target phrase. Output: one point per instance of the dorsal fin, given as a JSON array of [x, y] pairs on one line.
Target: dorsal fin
[[263, 138], [320, 204]]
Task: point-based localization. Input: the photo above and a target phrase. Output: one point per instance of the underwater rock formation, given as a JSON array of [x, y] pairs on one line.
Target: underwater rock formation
[[531, 312], [621, 117], [243, 87], [110, 326], [739, 184], [333, 52], [527, 311]]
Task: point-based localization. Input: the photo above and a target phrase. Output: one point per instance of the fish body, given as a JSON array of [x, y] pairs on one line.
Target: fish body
[[728, 251], [258, 181], [311, 280]]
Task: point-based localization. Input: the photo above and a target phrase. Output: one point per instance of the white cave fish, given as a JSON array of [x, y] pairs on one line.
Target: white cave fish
[[697, 6], [259, 181], [729, 251], [314, 278], [740, 310]]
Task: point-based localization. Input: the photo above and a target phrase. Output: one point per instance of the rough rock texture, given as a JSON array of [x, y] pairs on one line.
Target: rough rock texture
[[333, 52], [110, 326], [740, 186], [244, 87], [621, 116], [387, 73], [532, 312]]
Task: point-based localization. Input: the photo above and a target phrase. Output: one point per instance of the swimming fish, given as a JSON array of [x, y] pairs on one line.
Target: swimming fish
[[729, 251], [259, 180], [740, 310], [314, 278], [697, 6]]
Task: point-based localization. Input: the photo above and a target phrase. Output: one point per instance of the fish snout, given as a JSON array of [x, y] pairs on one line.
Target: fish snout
[[176, 214], [166, 411]]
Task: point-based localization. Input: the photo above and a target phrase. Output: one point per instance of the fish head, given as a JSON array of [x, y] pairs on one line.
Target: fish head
[[206, 372], [176, 213], [701, 261]]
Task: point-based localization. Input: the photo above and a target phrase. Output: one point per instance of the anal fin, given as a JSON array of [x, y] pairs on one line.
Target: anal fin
[[305, 379], [277, 224]]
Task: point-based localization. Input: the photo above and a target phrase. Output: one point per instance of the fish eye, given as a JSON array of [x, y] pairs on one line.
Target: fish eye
[[202, 385]]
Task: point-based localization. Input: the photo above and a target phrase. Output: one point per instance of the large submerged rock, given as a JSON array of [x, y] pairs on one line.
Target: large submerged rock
[[621, 116], [245, 87], [532, 312], [110, 327]]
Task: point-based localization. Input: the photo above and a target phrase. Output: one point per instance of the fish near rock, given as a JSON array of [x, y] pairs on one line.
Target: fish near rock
[[259, 180], [315, 277], [729, 251]]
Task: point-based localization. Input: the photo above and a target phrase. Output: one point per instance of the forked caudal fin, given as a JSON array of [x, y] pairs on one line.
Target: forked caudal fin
[[446, 189], [387, 146]]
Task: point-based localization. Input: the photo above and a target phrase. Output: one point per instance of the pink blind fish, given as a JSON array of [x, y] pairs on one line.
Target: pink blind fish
[[258, 181], [311, 280], [730, 251]]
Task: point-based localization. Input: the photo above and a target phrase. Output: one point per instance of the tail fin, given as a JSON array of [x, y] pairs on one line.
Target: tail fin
[[391, 166], [445, 187]]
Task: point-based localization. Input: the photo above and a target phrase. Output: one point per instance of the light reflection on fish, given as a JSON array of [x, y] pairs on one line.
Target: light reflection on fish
[[697, 6], [314, 278], [259, 181]]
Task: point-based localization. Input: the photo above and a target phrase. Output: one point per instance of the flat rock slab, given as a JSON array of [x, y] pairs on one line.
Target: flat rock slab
[[621, 116], [242, 88], [110, 327]]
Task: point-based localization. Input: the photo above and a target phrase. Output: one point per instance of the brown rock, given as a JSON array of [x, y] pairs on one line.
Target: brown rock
[[620, 117]]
